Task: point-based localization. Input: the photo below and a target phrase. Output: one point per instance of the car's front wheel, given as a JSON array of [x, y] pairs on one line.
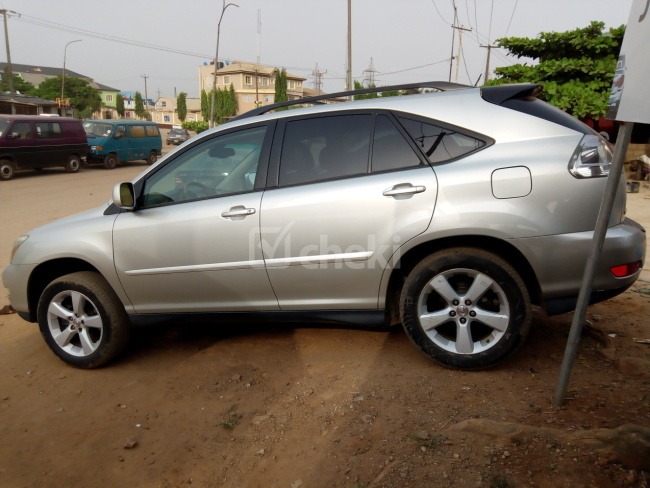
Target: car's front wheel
[[465, 307], [83, 320], [7, 170], [111, 161]]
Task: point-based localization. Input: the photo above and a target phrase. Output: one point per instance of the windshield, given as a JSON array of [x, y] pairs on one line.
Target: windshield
[[98, 129], [3, 126]]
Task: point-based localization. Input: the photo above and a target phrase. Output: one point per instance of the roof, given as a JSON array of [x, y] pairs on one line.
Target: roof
[[37, 74], [26, 100], [122, 121], [246, 67]]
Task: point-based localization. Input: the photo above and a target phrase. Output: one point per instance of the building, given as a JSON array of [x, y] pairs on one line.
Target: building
[[25, 105], [254, 84], [164, 112], [38, 74]]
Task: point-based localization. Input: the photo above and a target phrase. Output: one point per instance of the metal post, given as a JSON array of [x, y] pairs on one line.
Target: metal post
[[10, 72], [348, 77], [618, 159], [216, 61], [65, 50]]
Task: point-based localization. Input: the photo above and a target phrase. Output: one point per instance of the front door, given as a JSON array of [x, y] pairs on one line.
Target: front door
[[193, 243]]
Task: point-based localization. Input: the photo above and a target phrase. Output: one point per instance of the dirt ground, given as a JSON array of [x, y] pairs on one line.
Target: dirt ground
[[282, 406]]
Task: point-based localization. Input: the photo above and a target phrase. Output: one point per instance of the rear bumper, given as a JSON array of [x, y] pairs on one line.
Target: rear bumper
[[559, 262]]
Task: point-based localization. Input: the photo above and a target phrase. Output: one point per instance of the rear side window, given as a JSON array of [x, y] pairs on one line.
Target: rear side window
[[151, 131], [324, 148], [390, 151], [439, 143], [21, 130], [137, 130], [47, 129]]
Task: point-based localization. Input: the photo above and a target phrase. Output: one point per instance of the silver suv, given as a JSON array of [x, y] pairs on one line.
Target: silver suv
[[451, 211]]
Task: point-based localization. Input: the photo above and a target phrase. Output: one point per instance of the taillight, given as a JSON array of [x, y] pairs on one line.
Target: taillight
[[624, 270], [592, 158]]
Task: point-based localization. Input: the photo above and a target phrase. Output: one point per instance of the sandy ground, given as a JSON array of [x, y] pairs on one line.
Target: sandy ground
[[237, 406]]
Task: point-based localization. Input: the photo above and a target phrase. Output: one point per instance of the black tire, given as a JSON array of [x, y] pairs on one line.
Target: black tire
[[82, 320], [7, 169], [111, 161], [153, 157], [461, 325], [73, 164]]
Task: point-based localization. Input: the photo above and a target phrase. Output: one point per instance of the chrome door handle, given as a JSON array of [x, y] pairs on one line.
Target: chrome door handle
[[237, 213], [403, 189]]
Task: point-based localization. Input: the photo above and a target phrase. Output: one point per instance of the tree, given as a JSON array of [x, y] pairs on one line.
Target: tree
[[139, 105], [281, 86], [84, 99], [225, 104], [181, 106], [575, 68], [20, 85], [119, 105], [205, 105]]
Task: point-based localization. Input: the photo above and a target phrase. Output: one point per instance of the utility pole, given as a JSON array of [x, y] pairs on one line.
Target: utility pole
[[146, 98], [460, 46], [318, 79], [216, 60], [259, 33], [489, 48], [348, 77], [10, 71], [453, 38]]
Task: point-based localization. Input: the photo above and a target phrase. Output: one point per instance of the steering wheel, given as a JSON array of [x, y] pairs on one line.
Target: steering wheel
[[194, 189]]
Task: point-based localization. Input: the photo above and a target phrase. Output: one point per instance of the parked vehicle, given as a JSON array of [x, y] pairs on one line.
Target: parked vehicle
[[35, 142], [114, 141], [452, 211], [177, 135]]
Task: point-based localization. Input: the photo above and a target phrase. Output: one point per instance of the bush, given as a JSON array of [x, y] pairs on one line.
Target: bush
[[196, 126]]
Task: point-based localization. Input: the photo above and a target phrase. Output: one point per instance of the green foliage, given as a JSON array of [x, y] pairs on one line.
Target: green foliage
[[196, 126], [281, 86], [359, 86], [84, 99], [181, 106], [119, 105], [139, 106], [205, 105], [20, 85], [225, 104], [575, 68]]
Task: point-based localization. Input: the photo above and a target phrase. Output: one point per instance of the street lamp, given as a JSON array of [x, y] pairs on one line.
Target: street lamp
[[63, 74], [216, 61]]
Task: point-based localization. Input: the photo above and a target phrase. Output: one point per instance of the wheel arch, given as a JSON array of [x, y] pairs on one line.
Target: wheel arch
[[409, 259], [48, 271]]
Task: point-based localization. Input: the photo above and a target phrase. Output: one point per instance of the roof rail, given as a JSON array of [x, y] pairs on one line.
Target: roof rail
[[318, 99]]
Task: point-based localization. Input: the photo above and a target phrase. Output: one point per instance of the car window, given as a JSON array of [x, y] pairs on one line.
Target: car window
[[390, 150], [47, 129], [439, 143], [21, 130], [322, 148], [222, 165], [151, 131], [136, 131]]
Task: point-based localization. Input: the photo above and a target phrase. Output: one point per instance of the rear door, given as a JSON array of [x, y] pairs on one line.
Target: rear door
[[345, 192], [137, 142]]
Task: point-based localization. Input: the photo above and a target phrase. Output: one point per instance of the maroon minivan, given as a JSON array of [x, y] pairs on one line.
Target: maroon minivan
[[36, 142]]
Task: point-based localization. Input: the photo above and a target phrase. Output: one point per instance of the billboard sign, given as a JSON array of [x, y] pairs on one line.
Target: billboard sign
[[629, 99]]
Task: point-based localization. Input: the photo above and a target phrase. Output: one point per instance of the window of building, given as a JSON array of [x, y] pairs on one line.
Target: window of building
[[248, 98], [226, 80], [268, 98], [109, 98], [265, 81], [248, 80], [291, 84], [163, 104]]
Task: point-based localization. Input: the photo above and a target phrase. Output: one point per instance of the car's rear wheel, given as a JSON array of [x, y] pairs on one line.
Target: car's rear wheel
[[153, 157], [73, 164], [111, 161], [465, 307], [7, 170], [83, 320]]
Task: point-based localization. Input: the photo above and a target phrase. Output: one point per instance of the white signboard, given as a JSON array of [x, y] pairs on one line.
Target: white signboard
[[629, 100]]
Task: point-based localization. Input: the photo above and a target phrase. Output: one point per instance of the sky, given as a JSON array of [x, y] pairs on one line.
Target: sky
[[405, 41]]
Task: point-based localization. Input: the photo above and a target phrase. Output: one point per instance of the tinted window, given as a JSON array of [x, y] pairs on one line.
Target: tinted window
[[47, 129], [325, 147], [21, 130], [439, 143], [151, 130], [222, 165], [137, 130], [390, 150]]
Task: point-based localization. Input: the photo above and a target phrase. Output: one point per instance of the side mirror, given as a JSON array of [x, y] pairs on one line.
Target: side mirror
[[124, 196]]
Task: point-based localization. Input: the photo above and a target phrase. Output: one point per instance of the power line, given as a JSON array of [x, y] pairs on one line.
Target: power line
[[436, 7], [511, 17]]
